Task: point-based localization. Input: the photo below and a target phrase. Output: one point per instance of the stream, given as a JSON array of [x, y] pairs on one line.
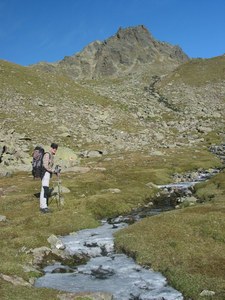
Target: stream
[[108, 271]]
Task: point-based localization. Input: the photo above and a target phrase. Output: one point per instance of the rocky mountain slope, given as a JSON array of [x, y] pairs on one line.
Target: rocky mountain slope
[[129, 93], [127, 52]]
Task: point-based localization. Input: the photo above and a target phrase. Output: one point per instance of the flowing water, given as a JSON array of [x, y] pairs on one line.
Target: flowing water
[[106, 270]]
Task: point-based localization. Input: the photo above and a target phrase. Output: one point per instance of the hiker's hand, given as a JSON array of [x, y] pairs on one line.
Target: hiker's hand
[[57, 169]]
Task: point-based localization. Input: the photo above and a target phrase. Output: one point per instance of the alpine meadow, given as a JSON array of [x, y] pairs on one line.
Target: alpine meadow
[[129, 114]]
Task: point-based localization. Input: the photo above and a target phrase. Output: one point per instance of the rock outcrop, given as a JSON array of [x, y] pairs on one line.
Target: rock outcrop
[[129, 50]]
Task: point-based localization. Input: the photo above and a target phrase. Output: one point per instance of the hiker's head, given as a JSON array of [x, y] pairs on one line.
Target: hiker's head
[[54, 148]]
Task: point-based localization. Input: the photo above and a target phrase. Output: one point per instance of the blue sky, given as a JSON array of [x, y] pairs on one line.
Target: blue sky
[[47, 30]]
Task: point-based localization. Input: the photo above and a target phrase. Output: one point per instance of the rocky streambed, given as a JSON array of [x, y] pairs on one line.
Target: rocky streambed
[[105, 271], [116, 274]]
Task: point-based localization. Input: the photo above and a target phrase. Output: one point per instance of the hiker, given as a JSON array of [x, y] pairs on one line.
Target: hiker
[[48, 162]]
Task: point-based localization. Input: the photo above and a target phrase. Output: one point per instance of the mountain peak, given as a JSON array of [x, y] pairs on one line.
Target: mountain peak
[[130, 50]]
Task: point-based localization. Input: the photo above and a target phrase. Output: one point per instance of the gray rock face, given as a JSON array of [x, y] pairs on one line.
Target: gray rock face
[[16, 154], [128, 50], [13, 152]]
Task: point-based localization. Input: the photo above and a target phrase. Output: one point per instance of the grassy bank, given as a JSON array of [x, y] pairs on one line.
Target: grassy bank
[[91, 199], [187, 245]]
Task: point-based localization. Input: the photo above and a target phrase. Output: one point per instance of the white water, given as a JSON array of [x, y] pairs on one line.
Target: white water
[[113, 273], [110, 272]]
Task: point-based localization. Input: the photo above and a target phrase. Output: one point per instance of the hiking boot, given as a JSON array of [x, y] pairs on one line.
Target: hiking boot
[[45, 210]]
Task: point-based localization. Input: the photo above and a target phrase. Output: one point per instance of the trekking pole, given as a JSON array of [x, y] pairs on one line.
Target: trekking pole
[[59, 191], [59, 197]]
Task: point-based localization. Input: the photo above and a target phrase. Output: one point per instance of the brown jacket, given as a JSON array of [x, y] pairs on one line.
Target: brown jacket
[[48, 162]]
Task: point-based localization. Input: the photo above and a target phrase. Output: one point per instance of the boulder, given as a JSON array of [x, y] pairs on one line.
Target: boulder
[[56, 242], [2, 218], [15, 280]]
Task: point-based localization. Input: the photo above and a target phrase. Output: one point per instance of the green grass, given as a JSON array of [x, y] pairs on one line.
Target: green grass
[[30, 96], [198, 72], [89, 201], [187, 245]]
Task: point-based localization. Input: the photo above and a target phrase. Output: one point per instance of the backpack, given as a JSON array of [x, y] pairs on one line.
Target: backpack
[[37, 162]]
